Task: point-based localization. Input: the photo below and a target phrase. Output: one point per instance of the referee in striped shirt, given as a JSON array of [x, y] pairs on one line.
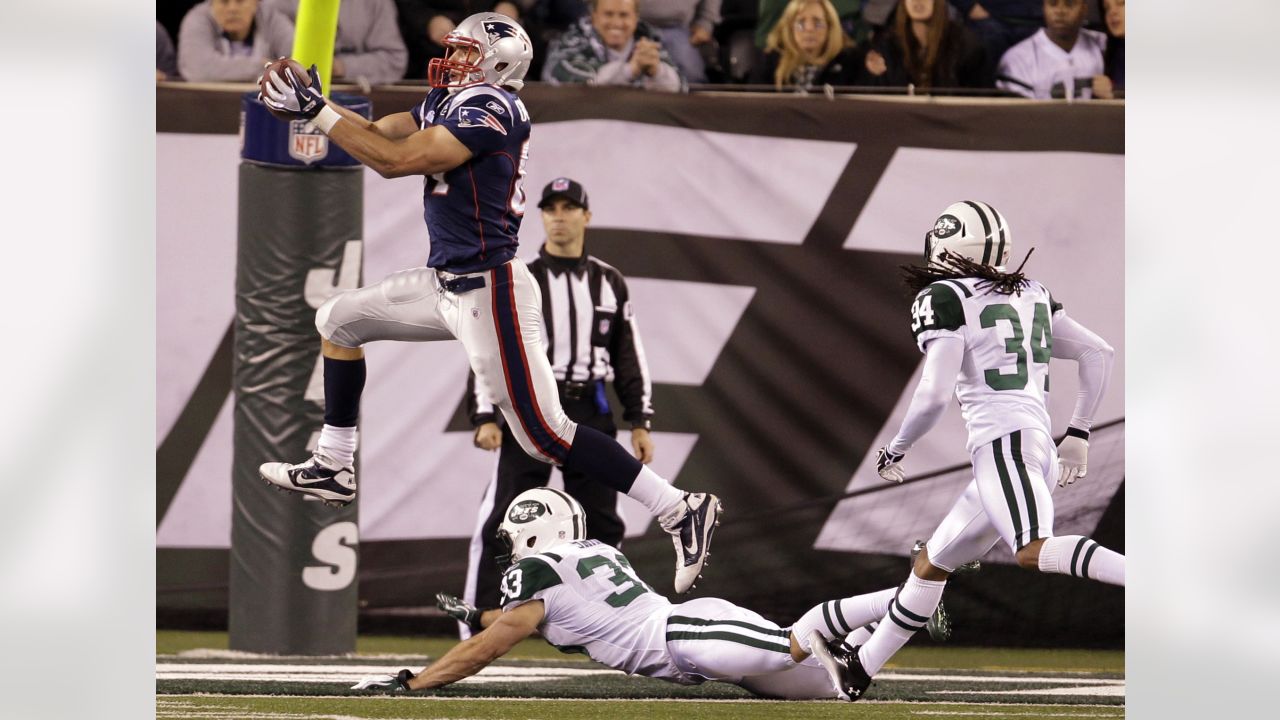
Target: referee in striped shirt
[[591, 338]]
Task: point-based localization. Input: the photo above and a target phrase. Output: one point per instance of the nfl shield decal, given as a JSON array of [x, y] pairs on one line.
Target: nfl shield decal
[[306, 143]]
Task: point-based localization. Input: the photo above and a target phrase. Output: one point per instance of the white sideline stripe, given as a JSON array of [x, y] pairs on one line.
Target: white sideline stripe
[[228, 668], [1004, 679], [1016, 714], [1109, 691], [750, 701]]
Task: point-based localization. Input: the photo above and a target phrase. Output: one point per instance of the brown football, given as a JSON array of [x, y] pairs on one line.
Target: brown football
[[278, 67]]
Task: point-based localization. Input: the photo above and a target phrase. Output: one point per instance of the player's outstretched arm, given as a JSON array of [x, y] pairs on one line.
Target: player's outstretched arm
[[471, 656], [1094, 357], [425, 152], [942, 361]]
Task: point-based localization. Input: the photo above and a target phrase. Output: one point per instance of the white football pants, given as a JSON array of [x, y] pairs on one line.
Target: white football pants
[[717, 640], [499, 324], [1009, 498]]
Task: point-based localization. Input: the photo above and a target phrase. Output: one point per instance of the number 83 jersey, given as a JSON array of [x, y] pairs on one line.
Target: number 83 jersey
[[1008, 339], [595, 604]]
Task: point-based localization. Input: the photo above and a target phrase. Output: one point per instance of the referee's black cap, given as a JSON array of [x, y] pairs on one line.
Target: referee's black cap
[[570, 190]]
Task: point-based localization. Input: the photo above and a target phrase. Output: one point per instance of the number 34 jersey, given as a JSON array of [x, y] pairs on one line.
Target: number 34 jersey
[[1008, 339], [595, 604]]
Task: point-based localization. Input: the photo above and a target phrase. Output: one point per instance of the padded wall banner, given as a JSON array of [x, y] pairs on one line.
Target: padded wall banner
[[761, 238], [293, 560]]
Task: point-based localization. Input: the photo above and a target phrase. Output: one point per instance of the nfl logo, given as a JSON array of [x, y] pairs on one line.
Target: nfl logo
[[560, 184], [306, 143]]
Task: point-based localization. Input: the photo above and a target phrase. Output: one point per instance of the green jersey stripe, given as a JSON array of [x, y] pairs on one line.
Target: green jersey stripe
[[960, 286], [553, 556], [998, 450], [729, 637], [1033, 519], [703, 622]]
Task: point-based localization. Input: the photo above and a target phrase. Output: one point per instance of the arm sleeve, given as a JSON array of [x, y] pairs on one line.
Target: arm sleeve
[[382, 56], [626, 354], [617, 72], [481, 122], [1073, 341], [480, 406], [942, 359], [667, 79]]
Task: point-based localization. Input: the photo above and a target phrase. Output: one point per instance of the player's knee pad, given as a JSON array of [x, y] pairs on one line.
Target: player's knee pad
[[334, 317]]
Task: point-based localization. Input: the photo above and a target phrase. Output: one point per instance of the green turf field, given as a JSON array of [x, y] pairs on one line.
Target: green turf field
[[196, 677]]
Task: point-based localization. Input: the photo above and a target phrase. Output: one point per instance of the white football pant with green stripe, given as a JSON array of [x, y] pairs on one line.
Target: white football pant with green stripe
[[1009, 498], [717, 640]]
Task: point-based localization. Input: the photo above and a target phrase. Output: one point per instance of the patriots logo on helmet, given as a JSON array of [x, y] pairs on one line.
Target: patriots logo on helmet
[[946, 226], [496, 29], [474, 117], [525, 511]]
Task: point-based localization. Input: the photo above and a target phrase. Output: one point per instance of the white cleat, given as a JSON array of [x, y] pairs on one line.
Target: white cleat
[[691, 526], [321, 478]]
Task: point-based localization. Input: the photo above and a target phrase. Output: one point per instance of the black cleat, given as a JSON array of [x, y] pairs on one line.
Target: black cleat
[[842, 664]]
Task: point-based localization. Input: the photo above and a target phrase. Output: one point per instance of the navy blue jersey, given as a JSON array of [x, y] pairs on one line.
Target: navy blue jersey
[[473, 211]]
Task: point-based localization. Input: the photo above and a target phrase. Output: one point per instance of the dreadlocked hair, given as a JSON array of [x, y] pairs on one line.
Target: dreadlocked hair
[[954, 266]]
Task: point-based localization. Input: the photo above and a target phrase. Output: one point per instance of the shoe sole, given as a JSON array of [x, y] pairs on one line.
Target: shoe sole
[[818, 648], [714, 513], [306, 493]]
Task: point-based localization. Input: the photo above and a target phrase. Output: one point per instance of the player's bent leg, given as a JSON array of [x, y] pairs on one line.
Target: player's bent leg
[[835, 619], [404, 306], [908, 614], [1074, 555]]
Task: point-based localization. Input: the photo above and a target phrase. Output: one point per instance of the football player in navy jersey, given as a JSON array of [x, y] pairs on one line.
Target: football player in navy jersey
[[469, 138]]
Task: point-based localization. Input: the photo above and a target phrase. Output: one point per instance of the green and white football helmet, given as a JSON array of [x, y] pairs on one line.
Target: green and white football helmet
[[970, 229], [537, 519]]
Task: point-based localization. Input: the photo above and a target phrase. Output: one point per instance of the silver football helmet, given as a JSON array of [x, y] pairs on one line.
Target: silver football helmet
[[537, 519], [501, 54], [972, 230]]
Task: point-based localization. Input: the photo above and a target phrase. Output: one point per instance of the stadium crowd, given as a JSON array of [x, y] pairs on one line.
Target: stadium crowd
[[1032, 48]]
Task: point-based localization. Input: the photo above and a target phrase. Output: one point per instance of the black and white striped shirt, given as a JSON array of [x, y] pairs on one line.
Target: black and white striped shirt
[[590, 332]]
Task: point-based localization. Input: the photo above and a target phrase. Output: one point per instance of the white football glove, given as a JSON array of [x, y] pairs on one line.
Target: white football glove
[[1073, 459], [889, 465], [287, 94]]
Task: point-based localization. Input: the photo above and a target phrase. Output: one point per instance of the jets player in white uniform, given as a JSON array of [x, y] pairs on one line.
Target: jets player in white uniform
[[987, 335], [584, 597]]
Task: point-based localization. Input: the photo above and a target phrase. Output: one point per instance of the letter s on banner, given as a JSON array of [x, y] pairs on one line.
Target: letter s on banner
[[333, 545]]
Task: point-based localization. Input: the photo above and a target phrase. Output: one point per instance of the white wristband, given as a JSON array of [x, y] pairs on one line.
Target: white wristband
[[326, 119]]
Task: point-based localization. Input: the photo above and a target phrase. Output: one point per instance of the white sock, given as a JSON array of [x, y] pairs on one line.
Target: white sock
[[908, 613], [838, 618], [339, 443], [654, 492], [1079, 556]]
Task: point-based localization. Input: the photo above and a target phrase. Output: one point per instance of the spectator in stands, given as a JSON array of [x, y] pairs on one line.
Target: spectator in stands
[[684, 26], [849, 12], [166, 56], [1061, 60], [612, 46], [1113, 58], [924, 47], [369, 48], [807, 48], [231, 40], [1001, 24]]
